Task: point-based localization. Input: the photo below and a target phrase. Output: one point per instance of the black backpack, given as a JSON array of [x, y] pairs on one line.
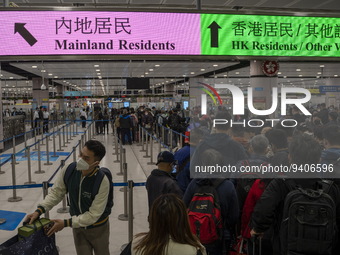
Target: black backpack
[[99, 177], [309, 220], [174, 122]]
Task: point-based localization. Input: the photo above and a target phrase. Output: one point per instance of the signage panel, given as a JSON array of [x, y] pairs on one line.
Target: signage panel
[[150, 33], [94, 32], [259, 35], [324, 89]]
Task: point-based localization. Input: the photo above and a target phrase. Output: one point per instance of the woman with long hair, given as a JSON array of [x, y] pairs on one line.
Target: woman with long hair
[[170, 232]]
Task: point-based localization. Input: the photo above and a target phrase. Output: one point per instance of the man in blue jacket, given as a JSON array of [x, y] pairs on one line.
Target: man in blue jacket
[[183, 155]]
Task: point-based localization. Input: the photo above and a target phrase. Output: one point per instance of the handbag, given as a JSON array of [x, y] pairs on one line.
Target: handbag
[[37, 243], [127, 249]]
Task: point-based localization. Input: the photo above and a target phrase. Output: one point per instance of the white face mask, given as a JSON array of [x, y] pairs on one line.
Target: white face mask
[[82, 165]]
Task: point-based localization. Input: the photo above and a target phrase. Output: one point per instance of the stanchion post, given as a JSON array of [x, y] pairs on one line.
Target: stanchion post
[[54, 145], [130, 214], [14, 152], [28, 152], [64, 208], [147, 145], [160, 146], [42, 134], [64, 137], [122, 153], [163, 134], [48, 163], [70, 131], [118, 150], [45, 193], [180, 140], [25, 142], [140, 136], [14, 198], [124, 216], [151, 151], [59, 133], [74, 154], [171, 139], [93, 128], [35, 139], [73, 126], [39, 160], [142, 150], [76, 130], [116, 141], [1, 172], [79, 147], [66, 127]]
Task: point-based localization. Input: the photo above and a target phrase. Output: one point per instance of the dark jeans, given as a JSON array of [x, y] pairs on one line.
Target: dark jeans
[[99, 127], [106, 126], [45, 128], [83, 123], [127, 132]]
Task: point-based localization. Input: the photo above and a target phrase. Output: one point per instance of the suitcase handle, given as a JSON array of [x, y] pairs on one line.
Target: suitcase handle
[[254, 239]]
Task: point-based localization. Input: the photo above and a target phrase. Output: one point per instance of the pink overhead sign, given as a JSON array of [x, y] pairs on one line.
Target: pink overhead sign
[[90, 32]]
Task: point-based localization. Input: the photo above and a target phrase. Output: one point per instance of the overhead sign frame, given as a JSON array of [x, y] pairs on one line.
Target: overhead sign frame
[[101, 33]]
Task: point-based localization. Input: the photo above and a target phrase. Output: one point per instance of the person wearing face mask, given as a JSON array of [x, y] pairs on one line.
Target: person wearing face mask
[[89, 214], [160, 181]]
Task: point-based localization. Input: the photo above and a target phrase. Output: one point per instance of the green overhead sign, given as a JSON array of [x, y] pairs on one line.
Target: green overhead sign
[[258, 35]]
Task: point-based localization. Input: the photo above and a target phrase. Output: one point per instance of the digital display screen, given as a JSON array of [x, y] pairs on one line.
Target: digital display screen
[[127, 104], [260, 35], [137, 83], [185, 105], [94, 32], [152, 33]]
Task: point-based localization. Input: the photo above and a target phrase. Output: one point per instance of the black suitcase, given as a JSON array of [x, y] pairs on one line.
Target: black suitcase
[[257, 241]]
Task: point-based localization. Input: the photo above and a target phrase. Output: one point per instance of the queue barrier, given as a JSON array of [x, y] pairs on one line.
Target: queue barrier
[[27, 150]]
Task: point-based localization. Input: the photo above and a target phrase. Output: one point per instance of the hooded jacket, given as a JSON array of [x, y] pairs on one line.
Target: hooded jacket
[[125, 121], [160, 182]]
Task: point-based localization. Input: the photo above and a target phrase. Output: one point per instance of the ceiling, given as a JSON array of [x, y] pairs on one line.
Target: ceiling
[[104, 77]]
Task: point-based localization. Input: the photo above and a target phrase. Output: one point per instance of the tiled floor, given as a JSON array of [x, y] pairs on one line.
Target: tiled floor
[[138, 170]]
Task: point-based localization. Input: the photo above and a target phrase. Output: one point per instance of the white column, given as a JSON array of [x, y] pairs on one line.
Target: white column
[[261, 85], [40, 97]]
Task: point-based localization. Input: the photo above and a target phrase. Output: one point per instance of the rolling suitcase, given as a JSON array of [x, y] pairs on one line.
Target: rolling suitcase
[[257, 245]]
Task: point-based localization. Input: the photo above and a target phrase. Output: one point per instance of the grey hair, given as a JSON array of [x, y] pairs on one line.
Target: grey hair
[[259, 144]]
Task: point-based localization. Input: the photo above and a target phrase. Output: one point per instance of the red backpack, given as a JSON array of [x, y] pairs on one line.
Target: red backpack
[[205, 213]]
